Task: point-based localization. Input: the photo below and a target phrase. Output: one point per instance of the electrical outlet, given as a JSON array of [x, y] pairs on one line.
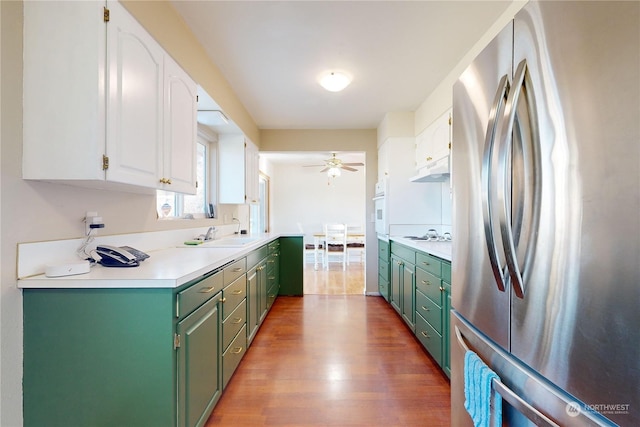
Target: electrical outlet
[[92, 222]]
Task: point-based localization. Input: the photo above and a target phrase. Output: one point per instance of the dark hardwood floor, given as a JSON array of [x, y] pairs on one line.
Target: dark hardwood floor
[[334, 360]]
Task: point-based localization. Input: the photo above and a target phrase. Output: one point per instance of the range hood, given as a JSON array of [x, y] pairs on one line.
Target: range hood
[[437, 171]]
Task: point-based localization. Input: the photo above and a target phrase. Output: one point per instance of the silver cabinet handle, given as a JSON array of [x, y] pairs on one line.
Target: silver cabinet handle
[[488, 178]]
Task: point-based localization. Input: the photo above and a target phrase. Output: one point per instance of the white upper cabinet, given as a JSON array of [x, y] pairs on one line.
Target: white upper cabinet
[[433, 146], [134, 103], [181, 129], [238, 170], [104, 105], [252, 173]]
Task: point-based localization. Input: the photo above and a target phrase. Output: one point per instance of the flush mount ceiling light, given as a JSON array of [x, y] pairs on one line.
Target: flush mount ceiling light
[[212, 118], [335, 81]]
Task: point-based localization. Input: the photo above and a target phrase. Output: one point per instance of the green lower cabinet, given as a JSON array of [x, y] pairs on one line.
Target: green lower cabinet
[[99, 357], [419, 289], [408, 294], [396, 283], [403, 282], [148, 357], [383, 269], [256, 298], [291, 266], [446, 338], [199, 385]]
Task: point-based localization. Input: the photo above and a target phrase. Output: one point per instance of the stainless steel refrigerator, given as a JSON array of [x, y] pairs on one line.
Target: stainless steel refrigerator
[[546, 214]]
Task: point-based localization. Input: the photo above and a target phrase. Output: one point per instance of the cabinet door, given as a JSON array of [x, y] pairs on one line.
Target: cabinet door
[[252, 172], [262, 288], [446, 322], [199, 354], [383, 161], [63, 90], [180, 122], [231, 169], [408, 294], [252, 303], [422, 148], [134, 102], [396, 282], [441, 136]]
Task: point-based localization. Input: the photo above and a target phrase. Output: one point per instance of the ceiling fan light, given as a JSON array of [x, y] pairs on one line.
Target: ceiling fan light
[[333, 172], [335, 81]]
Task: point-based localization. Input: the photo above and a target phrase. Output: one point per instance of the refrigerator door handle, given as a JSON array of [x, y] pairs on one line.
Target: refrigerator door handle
[[521, 84], [488, 178], [511, 397]]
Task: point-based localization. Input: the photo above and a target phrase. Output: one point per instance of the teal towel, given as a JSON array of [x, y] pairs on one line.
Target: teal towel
[[478, 392]]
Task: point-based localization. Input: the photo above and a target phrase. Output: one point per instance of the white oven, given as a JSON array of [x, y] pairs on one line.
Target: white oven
[[380, 208]]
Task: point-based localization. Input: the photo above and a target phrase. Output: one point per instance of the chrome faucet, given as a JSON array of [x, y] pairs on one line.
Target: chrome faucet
[[211, 234]]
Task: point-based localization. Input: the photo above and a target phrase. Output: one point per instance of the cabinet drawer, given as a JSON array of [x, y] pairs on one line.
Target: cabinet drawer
[[429, 310], [234, 270], [272, 294], [197, 294], [256, 256], [274, 246], [232, 324], [272, 280], [446, 271], [273, 262], [383, 287], [429, 263], [383, 249], [429, 285], [403, 252], [232, 357], [383, 268], [429, 338], [233, 295]]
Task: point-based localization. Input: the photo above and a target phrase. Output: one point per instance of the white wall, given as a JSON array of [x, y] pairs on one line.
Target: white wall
[[303, 195]]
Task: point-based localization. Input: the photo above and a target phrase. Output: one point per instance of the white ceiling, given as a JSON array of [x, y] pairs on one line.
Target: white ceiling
[[272, 53]]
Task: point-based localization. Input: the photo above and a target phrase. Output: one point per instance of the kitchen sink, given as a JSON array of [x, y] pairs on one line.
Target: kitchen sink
[[229, 242]]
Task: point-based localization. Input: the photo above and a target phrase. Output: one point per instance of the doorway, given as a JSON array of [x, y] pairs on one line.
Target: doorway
[[305, 196]]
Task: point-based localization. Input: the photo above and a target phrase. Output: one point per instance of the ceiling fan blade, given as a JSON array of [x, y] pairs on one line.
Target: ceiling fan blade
[[354, 164], [324, 170], [312, 166], [350, 169]]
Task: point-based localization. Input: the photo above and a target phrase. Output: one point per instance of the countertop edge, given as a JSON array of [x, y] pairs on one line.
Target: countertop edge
[[439, 249]]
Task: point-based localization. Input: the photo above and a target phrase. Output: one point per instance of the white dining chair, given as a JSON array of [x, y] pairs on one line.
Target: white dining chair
[[355, 241], [335, 241], [313, 250]]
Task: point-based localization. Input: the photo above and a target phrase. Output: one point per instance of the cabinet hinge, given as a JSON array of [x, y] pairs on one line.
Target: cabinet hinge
[[106, 15], [449, 146], [105, 162], [176, 341], [196, 184]]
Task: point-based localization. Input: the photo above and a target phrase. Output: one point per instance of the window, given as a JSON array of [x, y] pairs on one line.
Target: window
[[172, 205]]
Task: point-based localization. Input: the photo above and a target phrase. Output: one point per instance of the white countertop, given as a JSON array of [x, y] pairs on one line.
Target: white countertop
[[165, 268], [439, 249]]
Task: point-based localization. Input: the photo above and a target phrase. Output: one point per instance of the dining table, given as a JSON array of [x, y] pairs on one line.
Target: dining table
[[319, 241]]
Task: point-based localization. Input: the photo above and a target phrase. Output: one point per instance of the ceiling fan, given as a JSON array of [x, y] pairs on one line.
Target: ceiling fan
[[335, 163]]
